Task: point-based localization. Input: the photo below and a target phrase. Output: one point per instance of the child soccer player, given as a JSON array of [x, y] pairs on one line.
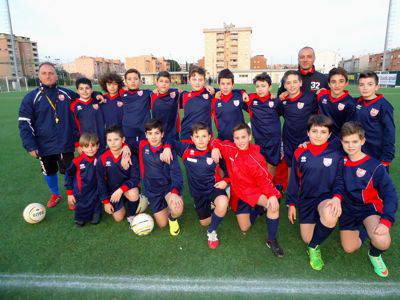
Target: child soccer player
[[162, 182], [337, 103], [371, 199], [111, 83], [81, 182], [165, 106], [117, 186], [316, 187], [88, 116], [265, 123], [251, 183], [375, 114]]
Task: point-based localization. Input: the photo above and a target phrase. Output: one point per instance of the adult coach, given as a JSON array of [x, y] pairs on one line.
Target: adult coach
[[47, 127]]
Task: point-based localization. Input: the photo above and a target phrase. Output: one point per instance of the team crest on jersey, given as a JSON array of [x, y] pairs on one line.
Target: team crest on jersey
[[236, 102], [271, 104], [140, 93], [205, 96], [300, 105], [120, 103], [79, 107], [82, 166], [255, 102], [303, 159], [374, 112], [358, 106], [146, 151], [193, 160], [172, 94], [341, 106], [61, 97], [219, 104], [108, 163], [360, 172], [327, 161], [209, 161], [324, 101], [95, 106]]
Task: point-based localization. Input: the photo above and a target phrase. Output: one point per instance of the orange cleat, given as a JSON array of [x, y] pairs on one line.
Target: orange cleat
[[54, 200]]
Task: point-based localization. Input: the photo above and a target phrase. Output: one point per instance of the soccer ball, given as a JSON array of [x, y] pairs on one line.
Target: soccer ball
[[142, 224], [34, 213], [143, 203]]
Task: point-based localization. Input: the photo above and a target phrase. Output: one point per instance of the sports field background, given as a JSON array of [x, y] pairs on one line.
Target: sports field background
[[55, 246]]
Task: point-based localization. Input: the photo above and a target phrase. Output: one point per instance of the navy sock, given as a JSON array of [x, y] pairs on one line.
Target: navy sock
[[253, 215], [363, 233], [215, 220], [373, 251], [321, 233], [52, 182], [132, 207], [272, 228]]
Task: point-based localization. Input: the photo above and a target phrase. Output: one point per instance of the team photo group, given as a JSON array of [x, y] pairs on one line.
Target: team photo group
[[329, 162]]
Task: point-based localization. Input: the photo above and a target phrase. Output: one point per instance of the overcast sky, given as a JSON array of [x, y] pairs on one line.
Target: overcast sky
[[174, 29]]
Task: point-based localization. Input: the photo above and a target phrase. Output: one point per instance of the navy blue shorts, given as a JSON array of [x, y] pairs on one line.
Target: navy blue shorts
[[86, 208], [308, 211], [271, 150], [202, 205], [158, 203], [352, 217], [120, 204], [245, 208]]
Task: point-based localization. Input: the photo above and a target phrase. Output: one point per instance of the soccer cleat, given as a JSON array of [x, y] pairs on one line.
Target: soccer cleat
[[213, 241], [379, 265], [54, 200], [275, 248], [174, 229], [130, 219], [316, 261], [96, 218], [79, 224], [71, 207]]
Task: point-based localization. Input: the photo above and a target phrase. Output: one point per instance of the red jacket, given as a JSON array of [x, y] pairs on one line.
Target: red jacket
[[248, 173]]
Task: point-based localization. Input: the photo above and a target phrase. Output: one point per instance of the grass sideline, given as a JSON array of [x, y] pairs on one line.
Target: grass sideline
[[55, 247]]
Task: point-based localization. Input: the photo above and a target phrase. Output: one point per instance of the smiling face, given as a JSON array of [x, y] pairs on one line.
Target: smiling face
[[242, 139], [84, 91], [112, 88], [163, 84], [352, 144], [337, 84], [318, 135], [48, 75], [368, 88], [154, 136], [306, 58], [90, 149], [293, 85]]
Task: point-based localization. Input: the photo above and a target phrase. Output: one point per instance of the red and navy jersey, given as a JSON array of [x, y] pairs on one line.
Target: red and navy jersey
[[340, 110], [366, 182], [165, 107], [112, 176], [197, 108], [136, 112], [227, 113], [157, 176], [316, 173], [296, 112], [376, 117], [112, 110]]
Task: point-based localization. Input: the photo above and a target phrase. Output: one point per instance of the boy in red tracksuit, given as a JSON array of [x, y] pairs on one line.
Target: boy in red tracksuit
[[251, 183]]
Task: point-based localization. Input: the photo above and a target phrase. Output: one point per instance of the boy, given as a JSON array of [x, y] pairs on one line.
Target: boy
[[81, 182], [88, 116], [165, 106], [375, 114], [265, 123], [371, 199], [251, 183], [111, 83], [337, 103], [117, 186], [316, 187], [162, 182]]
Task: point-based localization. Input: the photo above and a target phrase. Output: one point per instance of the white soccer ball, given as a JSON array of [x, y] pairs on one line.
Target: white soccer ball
[[34, 213], [143, 204], [142, 224]]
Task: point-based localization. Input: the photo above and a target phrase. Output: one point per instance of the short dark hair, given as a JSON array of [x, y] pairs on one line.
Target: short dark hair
[[226, 74], [154, 124], [132, 70], [115, 129], [263, 77], [200, 126], [338, 71], [197, 70], [109, 78], [164, 74], [88, 138], [369, 74], [241, 126], [291, 72], [320, 121], [83, 80], [350, 128]]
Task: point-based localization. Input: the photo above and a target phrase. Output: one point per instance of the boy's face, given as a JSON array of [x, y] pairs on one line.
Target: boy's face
[[84, 91], [318, 135], [163, 84], [132, 81], [352, 144], [115, 141], [368, 88], [293, 84], [201, 138], [90, 150], [154, 137], [112, 87], [197, 82], [262, 88], [226, 85], [337, 84], [242, 139]]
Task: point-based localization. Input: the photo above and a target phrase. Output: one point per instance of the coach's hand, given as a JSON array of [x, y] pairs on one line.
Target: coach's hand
[[108, 208], [381, 229], [283, 95], [34, 153], [335, 206], [221, 185], [166, 156], [292, 214], [216, 155], [116, 196]]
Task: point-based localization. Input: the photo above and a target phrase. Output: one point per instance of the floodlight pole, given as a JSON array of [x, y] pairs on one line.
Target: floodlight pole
[[386, 37], [18, 86]]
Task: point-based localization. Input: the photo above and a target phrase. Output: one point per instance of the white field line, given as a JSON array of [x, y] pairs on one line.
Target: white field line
[[202, 285]]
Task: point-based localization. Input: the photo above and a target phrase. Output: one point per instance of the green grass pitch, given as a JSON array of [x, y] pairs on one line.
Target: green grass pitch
[[54, 259]]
